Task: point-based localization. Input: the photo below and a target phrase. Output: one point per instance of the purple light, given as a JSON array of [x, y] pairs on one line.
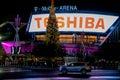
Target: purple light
[[28, 47], [25, 48], [75, 49]]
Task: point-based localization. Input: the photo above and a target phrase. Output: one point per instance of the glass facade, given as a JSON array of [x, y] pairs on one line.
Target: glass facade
[[70, 38]]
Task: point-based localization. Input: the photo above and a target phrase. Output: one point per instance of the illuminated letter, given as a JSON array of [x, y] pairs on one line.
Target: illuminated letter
[[60, 23], [69, 22], [100, 23], [89, 22], [45, 21], [38, 22], [80, 24]]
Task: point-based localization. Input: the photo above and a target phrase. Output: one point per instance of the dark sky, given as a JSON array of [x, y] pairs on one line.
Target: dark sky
[[10, 8]]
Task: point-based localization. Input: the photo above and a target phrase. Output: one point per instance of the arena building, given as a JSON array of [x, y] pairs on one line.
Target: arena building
[[78, 29]]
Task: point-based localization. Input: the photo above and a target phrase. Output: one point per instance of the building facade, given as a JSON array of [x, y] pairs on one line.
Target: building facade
[[79, 30]]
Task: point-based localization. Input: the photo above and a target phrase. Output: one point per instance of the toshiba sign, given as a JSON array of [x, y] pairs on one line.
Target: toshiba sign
[[73, 22]]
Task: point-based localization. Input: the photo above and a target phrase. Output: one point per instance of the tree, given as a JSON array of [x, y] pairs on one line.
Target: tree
[[52, 33]]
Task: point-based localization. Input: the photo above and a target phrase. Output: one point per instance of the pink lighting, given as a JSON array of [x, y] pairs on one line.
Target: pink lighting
[[25, 47], [75, 48], [28, 47]]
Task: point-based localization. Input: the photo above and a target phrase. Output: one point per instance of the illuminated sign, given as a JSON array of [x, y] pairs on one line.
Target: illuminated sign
[[74, 22], [62, 7]]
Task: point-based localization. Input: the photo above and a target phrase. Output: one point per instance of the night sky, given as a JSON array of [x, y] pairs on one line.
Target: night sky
[[10, 8]]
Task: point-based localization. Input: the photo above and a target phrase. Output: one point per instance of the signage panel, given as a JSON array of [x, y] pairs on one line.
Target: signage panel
[[74, 22]]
